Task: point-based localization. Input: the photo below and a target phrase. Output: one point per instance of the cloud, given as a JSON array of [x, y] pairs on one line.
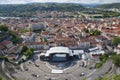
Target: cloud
[[109, 1], [12, 1], [60, 1]]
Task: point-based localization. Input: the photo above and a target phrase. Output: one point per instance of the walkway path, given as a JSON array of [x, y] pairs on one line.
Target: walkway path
[[5, 70]]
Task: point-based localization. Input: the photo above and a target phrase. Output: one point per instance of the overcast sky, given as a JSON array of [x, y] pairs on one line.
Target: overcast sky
[[60, 1]]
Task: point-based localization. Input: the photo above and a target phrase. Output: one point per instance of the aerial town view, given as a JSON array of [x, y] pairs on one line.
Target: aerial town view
[[59, 39]]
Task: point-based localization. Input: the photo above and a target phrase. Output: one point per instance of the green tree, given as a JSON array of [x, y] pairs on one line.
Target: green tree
[[28, 52], [3, 28], [15, 37], [116, 77], [104, 57], [95, 32], [116, 59], [106, 77], [32, 49], [84, 79], [116, 41], [98, 65], [24, 49], [106, 15], [1, 78], [86, 30]]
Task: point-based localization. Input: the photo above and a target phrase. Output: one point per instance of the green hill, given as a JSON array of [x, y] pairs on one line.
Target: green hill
[[30, 9], [108, 6]]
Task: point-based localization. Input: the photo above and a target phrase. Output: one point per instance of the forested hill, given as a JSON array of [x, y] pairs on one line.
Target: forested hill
[[108, 6], [30, 9]]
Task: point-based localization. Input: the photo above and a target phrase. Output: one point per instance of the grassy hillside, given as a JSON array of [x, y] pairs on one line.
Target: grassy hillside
[[30, 9]]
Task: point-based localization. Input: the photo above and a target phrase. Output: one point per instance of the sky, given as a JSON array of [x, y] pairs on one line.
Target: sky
[[59, 1]]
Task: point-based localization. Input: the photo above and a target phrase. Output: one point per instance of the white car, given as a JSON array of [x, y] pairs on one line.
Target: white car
[[82, 74]]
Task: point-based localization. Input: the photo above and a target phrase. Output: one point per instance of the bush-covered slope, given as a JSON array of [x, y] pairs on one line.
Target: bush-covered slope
[[30, 9]]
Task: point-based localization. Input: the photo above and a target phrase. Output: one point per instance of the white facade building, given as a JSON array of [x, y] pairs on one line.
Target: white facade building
[[37, 26], [62, 54], [96, 51], [59, 50]]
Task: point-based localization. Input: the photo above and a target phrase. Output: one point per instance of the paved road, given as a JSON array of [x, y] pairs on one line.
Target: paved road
[[8, 76], [101, 71]]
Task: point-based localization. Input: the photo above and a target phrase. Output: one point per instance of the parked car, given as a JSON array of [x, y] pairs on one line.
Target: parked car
[[36, 65], [82, 74], [35, 75]]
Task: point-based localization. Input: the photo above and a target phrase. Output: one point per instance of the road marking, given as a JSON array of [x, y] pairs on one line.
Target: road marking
[[91, 73]]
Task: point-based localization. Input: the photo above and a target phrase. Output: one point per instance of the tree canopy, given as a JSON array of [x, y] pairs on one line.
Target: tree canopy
[[106, 77], [1, 78], [103, 59], [108, 6], [116, 59], [24, 49], [116, 41], [95, 32], [15, 37], [3, 27], [28, 52], [29, 10]]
